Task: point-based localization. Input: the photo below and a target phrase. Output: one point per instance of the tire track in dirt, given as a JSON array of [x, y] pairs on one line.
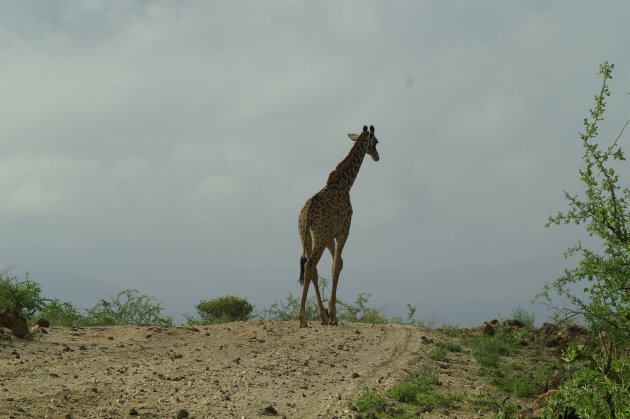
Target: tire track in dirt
[[386, 356]]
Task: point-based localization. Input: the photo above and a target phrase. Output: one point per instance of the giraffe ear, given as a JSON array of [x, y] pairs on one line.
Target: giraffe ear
[[353, 137]]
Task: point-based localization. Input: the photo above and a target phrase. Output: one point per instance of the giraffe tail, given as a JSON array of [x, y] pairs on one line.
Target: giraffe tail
[[302, 262]]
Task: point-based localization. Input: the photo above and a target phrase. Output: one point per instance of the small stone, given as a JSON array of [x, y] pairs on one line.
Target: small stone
[[270, 411], [133, 412], [83, 348], [183, 413], [355, 375], [42, 322], [426, 340]]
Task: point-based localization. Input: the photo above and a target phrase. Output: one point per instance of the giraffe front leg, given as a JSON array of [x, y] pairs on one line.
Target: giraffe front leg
[[337, 266], [332, 307], [332, 302]]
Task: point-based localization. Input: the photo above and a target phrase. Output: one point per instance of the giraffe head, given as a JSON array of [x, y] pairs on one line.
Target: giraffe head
[[370, 139]]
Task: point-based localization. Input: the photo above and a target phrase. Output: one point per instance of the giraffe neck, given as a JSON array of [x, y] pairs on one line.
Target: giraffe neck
[[346, 172]]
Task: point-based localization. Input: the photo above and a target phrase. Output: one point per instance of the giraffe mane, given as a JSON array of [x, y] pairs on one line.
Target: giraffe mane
[[332, 176]]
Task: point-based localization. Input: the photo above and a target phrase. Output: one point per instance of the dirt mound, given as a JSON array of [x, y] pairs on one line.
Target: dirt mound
[[246, 369], [554, 336], [491, 327]]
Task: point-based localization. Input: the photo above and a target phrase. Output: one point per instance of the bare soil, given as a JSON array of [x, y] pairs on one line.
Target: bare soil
[[244, 370]]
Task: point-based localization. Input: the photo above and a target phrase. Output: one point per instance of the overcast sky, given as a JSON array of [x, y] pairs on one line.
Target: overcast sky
[[168, 146]]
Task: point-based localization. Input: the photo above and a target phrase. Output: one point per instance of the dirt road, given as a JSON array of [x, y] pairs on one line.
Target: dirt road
[[248, 369]]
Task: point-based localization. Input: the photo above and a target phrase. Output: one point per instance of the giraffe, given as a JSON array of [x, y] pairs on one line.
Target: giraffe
[[324, 222]]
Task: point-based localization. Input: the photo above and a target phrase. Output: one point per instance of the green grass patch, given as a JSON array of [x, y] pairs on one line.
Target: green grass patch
[[514, 378], [408, 390], [488, 350], [438, 354], [406, 399], [485, 402], [442, 349], [524, 378], [450, 346], [371, 402], [485, 350], [419, 390]]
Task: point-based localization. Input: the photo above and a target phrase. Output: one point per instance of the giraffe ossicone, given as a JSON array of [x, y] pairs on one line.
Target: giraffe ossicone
[[324, 223]]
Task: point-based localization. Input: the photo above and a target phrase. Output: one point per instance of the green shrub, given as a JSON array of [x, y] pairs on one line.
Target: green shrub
[[223, 309], [357, 312], [360, 312], [23, 296], [451, 331], [598, 387], [128, 308], [528, 319], [62, 313], [287, 309]]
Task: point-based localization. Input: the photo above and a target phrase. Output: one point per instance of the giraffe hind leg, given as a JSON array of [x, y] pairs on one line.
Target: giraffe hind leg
[[332, 317], [323, 313], [310, 275], [302, 263]]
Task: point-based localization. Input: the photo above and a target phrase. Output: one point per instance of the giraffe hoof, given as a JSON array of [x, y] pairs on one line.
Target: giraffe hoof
[[304, 325]]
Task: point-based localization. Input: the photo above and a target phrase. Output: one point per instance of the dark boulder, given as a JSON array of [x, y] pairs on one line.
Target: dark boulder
[[14, 321]]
